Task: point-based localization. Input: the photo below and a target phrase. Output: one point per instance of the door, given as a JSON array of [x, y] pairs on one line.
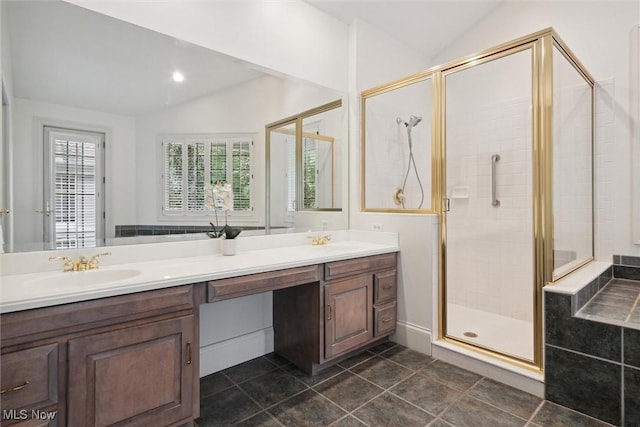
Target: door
[[348, 314], [138, 376], [74, 188], [489, 247]]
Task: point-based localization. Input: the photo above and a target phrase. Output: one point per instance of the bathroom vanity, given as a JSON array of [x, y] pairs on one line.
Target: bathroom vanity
[[133, 358]]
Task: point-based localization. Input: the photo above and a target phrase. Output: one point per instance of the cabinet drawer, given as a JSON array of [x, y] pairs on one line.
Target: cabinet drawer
[[67, 318], [385, 319], [353, 267], [218, 290], [385, 286], [29, 378]]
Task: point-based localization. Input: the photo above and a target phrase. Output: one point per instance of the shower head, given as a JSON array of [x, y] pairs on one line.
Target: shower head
[[413, 121]]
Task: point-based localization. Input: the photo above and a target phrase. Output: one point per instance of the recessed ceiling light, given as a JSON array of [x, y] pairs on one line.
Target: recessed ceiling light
[[178, 76]]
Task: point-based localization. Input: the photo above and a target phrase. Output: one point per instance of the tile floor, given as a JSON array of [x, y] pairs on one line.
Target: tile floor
[[388, 385]]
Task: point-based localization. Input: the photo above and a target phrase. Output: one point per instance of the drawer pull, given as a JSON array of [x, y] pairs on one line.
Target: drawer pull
[[188, 352], [329, 312], [16, 388], [385, 287], [386, 319]]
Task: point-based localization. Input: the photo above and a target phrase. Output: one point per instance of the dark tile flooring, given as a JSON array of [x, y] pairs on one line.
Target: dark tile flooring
[[388, 385]]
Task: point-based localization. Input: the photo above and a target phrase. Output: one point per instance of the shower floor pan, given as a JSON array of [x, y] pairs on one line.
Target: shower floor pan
[[499, 333]]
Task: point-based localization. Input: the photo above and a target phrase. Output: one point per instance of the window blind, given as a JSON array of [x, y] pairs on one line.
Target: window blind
[[76, 188], [189, 163]]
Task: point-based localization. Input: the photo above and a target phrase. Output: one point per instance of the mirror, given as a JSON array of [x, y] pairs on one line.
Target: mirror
[[302, 161], [83, 92]]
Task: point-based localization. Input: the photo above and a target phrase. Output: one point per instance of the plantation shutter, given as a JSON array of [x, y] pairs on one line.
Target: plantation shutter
[[189, 163], [74, 178], [309, 164]]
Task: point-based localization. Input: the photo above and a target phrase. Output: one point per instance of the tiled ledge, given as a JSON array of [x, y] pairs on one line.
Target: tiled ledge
[[618, 303]]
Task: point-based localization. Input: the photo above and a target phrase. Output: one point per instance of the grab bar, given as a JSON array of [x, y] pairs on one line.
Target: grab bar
[[494, 201]]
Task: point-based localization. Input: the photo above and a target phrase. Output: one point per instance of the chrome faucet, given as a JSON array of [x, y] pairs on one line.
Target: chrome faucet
[[81, 264]]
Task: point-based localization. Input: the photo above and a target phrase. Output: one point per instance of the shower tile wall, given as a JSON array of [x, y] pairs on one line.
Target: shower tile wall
[[388, 157], [387, 147], [497, 264]]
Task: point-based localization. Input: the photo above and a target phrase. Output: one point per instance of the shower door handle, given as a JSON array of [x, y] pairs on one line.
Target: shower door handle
[[495, 158]]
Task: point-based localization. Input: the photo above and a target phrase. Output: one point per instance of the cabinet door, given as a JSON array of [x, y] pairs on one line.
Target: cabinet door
[[348, 314], [136, 376], [29, 381]]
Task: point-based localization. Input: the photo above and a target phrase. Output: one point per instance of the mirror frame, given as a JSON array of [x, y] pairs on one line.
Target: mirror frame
[[296, 119]]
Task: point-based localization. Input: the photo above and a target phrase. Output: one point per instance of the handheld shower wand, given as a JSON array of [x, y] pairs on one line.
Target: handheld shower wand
[[413, 121]]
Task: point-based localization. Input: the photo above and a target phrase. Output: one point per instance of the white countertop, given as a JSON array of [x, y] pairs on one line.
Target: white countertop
[[46, 288]]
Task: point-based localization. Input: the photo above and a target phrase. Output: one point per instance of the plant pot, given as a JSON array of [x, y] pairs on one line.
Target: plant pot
[[228, 246]]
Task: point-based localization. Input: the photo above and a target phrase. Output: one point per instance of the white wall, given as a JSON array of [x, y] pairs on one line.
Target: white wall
[[599, 33], [377, 58], [28, 150], [289, 37]]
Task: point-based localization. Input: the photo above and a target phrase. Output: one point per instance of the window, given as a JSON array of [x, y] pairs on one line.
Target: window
[[73, 205], [190, 162], [309, 160]]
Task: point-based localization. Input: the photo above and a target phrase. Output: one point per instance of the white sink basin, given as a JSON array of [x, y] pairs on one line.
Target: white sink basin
[[80, 279]]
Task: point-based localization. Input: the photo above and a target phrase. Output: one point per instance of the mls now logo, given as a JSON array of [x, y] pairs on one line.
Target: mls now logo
[[23, 414]]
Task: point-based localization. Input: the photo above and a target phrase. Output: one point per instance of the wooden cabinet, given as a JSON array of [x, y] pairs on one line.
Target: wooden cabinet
[[142, 374], [348, 315], [354, 306], [128, 360]]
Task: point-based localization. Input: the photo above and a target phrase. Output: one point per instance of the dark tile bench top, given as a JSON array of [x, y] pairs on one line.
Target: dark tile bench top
[[617, 303]]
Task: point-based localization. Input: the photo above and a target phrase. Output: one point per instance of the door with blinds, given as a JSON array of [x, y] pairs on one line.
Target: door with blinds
[[74, 188]]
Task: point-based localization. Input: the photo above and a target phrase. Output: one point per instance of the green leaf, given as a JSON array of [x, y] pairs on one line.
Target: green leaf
[[231, 232]]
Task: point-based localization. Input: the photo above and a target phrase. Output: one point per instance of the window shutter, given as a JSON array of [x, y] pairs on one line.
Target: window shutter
[[76, 186], [173, 177], [195, 176], [291, 175], [189, 163], [310, 154], [241, 174]]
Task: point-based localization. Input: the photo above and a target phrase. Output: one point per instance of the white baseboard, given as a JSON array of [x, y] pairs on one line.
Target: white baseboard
[[224, 354], [412, 336]]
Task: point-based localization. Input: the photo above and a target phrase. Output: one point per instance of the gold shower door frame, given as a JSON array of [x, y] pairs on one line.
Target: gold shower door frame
[[541, 45]]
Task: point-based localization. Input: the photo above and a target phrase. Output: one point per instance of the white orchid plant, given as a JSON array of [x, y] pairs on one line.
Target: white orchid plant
[[219, 197]]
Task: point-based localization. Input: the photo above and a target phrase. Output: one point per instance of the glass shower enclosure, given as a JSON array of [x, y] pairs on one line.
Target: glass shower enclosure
[[517, 183], [510, 141]]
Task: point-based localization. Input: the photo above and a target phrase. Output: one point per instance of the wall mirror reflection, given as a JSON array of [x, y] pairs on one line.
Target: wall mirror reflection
[[397, 146], [110, 131], [304, 167]]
